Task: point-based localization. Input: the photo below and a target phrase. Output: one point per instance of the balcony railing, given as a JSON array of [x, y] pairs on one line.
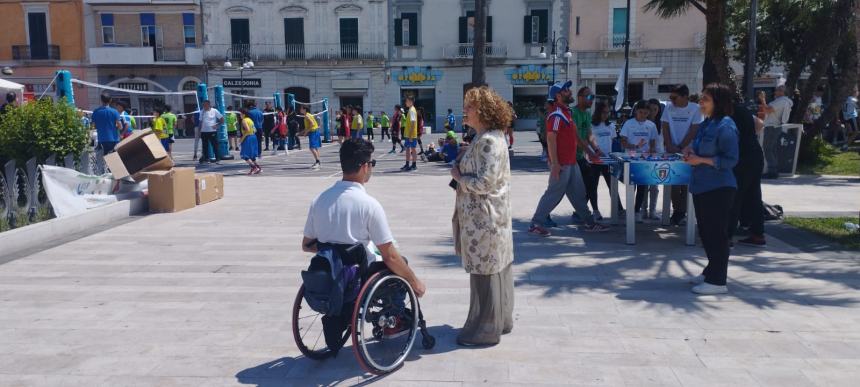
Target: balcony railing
[[49, 52], [467, 51], [616, 42], [288, 52], [170, 54]]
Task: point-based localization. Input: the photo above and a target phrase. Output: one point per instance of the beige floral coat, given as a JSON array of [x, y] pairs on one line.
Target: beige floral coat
[[483, 235]]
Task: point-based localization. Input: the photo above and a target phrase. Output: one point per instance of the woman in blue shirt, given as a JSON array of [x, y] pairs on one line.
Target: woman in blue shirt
[[713, 154]]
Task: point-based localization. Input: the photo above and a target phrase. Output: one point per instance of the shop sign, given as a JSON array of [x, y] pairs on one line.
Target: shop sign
[[136, 86], [417, 76], [529, 75], [240, 82]]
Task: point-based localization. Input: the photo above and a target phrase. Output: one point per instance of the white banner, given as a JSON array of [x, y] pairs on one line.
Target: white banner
[[71, 192]]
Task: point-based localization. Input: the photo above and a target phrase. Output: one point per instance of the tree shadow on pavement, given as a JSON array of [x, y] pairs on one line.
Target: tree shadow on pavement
[[655, 270], [340, 370]]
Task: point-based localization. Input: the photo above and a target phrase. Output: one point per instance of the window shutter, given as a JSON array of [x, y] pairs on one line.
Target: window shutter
[[398, 32], [543, 34], [413, 29], [527, 29], [464, 34], [489, 29]]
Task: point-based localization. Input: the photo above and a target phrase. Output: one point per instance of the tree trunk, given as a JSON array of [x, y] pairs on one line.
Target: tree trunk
[[839, 32], [479, 52], [847, 78], [716, 66]]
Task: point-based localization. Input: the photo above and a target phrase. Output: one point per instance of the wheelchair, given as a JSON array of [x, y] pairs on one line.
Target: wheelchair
[[383, 323]]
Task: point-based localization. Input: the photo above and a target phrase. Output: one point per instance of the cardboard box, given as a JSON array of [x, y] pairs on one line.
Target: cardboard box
[[140, 152], [209, 187], [172, 190]]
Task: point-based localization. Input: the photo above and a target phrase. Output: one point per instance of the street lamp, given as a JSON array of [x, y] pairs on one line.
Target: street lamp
[[247, 64], [555, 48], [8, 70]]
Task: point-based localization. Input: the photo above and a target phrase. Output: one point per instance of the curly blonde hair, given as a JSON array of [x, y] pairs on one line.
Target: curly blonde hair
[[492, 109]]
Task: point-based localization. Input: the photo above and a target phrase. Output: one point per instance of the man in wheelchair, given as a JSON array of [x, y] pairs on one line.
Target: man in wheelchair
[[344, 219]]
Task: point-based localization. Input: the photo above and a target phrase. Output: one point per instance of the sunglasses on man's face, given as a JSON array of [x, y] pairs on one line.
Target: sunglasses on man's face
[[589, 97], [372, 163]]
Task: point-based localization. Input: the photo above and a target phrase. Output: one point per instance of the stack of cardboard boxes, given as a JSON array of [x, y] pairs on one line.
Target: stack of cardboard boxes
[[171, 189]]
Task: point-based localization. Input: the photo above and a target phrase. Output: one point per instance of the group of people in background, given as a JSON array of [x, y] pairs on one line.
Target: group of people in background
[[718, 138]]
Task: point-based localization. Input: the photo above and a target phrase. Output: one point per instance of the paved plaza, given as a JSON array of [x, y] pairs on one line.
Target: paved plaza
[[203, 297]]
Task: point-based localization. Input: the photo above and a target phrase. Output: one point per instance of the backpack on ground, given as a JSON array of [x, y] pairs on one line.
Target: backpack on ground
[[772, 211]]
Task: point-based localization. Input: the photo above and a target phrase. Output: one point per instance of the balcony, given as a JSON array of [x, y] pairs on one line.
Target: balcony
[[294, 52], [49, 52], [131, 55], [467, 51], [615, 42]]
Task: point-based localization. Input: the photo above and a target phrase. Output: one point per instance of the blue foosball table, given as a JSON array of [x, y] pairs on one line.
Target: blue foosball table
[[643, 169]]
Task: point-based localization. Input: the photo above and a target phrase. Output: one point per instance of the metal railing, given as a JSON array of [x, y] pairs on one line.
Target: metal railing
[[287, 52], [24, 52], [467, 51], [163, 54], [22, 193], [616, 42]]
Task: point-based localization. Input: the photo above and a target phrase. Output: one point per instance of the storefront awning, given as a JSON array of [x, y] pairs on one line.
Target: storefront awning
[[612, 73]]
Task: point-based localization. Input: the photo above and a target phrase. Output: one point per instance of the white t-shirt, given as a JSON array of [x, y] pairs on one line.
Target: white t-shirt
[[639, 132], [782, 111], [849, 111], [346, 214], [680, 120], [209, 120], [603, 135]]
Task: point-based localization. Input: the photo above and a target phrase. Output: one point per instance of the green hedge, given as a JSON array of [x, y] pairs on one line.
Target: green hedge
[[39, 129]]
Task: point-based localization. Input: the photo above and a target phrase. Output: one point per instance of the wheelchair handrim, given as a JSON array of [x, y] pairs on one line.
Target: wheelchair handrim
[[318, 354], [362, 351]]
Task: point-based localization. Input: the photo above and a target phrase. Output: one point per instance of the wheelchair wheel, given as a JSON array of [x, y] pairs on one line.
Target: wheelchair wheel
[[308, 329], [384, 323]]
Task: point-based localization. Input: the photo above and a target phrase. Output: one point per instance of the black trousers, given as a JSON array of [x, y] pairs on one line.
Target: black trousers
[[370, 133], [596, 172], [590, 180], [748, 198], [209, 138], [385, 133], [713, 209], [770, 146], [679, 202]]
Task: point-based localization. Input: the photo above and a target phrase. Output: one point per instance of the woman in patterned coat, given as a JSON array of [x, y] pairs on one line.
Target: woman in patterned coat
[[483, 236]]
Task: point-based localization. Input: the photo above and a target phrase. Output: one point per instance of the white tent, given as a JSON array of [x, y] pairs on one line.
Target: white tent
[[7, 86]]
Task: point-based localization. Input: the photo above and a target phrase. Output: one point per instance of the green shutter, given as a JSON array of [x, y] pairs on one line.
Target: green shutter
[[489, 29], [527, 29], [464, 33], [398, 32], [543, 32], [619, 21], [413, 29]]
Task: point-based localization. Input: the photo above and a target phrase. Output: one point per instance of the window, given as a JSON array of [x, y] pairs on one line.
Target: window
[[240, 37], [294, 37], [536, 26], [406, 29], [189, 30], [467, 28], [107, 29], [349, 38], [577, 25], [619, 21]]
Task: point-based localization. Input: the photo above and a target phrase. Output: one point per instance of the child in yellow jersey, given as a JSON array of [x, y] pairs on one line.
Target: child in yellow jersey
[[410, 135], [313, 132], [159, 127], [250, 149]]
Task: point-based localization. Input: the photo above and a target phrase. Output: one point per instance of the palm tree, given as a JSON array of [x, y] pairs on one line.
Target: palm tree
[[716, 66]]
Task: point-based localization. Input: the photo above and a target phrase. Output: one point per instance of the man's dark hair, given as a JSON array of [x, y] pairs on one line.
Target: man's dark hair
[[230, 107], [410, 98], [681, 89], [204, 101], [397, 107], [354, 153], [168, 108], [10, 97], [722, 96], [105, 98], [450, 111], [581, 91], [642, 104]]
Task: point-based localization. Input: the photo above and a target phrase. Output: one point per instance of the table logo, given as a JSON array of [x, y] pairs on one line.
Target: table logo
[[662, 172]]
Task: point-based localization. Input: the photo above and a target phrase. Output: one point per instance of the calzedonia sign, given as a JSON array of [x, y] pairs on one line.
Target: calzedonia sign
[[239, 82]]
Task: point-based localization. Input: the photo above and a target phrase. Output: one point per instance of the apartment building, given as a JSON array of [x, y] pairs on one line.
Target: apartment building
[[146, 45], [39, 37], [663, 52], [311, 49]]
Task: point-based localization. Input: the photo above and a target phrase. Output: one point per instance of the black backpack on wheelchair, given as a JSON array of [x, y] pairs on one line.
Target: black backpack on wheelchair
[[332, 282]]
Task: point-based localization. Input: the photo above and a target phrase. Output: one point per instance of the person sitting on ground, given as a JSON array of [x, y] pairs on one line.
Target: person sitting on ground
[[346, 214]]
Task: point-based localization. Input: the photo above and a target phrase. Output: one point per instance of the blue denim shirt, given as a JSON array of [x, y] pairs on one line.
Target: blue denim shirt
[[717, 140]]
